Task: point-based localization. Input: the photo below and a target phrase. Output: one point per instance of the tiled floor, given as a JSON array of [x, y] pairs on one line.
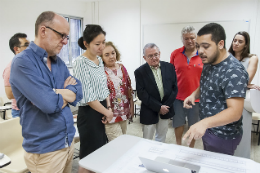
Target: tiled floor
[[135, 129]]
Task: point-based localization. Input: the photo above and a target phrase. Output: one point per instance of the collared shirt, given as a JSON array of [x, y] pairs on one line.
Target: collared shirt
[[188, 59], [46, 127], [158, 79], [188, 72], [93, 78], [218, 83]]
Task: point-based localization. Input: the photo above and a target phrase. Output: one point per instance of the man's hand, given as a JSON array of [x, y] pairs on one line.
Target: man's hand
[[189, 101], [164, 109], [64, 104], [70, 81], [195, 132]]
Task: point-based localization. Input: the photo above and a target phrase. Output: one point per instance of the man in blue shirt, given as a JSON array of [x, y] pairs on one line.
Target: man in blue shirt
[[43, 87]]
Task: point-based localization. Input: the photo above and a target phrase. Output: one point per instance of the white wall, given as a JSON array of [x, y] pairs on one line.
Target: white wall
[[20, 16], [123, 21]]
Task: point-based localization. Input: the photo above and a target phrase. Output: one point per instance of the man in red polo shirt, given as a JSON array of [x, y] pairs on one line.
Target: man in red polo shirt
[[188, 67]]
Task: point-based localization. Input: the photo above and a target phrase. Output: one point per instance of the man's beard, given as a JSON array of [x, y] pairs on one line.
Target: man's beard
[[214, 57]]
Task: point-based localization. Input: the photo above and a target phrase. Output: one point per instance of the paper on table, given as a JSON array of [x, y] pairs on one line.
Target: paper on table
[[209, 162]]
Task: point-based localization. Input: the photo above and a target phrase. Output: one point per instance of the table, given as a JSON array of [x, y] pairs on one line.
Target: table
[[122, 156], [5, 161], [4, 109], [93, 161]]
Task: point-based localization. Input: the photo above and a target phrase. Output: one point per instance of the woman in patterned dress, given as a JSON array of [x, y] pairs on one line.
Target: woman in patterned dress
[[119, 85]]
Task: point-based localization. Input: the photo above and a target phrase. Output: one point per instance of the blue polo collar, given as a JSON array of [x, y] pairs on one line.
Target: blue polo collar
[[183, 52]]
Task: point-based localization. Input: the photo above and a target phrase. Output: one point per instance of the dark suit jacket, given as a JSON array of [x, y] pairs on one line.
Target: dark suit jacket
[[148, 92]]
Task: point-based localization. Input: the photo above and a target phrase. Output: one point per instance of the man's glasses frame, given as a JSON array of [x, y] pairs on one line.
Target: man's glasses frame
[[156, 55], [25, 45], [63, 36]]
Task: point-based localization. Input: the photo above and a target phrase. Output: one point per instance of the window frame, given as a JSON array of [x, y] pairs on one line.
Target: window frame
[[69, 42]]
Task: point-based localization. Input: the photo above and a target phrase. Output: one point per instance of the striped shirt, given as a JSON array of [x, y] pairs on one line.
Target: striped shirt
[[93, 79]]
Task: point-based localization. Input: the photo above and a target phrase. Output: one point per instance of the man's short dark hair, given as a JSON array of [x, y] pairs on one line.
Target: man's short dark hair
[[45, 17], [216, 30], [14, 41]]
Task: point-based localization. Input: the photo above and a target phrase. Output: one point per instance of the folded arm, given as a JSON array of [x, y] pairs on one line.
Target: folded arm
[[67, 95], [72, 91], [25, 81]]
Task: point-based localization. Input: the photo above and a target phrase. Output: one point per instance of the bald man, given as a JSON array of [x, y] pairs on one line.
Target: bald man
[[43, 88]]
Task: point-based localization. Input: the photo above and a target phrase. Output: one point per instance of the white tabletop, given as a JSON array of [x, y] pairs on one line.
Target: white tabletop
[[101, 159], [122, 156]]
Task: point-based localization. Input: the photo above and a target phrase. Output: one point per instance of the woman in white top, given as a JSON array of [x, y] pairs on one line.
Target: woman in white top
[[240, 48], [94, 109]]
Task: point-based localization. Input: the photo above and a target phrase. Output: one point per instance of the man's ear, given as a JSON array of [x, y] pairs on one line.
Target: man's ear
[[42, 31], [16, 50], [221, 44]]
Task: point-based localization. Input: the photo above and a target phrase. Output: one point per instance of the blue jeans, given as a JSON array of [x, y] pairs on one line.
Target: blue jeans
[[15, 113]]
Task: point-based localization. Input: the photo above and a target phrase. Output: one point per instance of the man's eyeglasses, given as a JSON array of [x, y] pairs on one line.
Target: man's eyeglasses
[[25, 45], [63, 36], [156, 55]]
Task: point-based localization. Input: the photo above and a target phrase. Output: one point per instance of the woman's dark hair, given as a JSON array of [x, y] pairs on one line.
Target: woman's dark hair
[[246, 51], [90, 32]]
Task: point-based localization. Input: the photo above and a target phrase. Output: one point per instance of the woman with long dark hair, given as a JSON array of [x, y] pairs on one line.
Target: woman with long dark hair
[[94, 109], [240, 48]]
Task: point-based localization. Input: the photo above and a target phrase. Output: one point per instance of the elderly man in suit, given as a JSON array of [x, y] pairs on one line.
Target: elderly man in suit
[[156, 86]]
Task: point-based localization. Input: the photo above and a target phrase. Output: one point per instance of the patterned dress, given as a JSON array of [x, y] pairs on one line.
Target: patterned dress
[[119, 85]]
